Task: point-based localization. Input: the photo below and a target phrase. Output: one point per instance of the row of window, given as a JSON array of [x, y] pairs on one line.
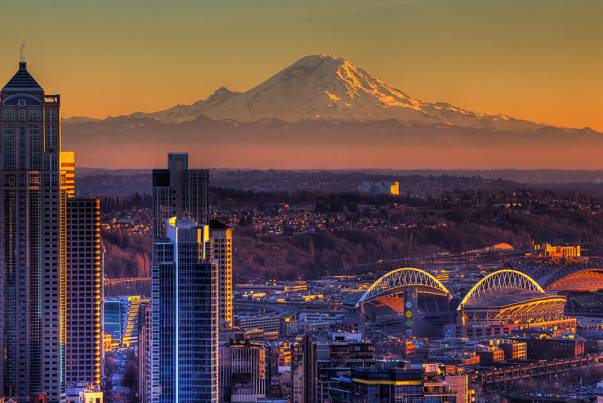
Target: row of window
[[33, 115]]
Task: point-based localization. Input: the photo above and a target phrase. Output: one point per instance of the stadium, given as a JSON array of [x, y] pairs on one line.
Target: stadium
[[407, 301], [508, 302], [413, 302]]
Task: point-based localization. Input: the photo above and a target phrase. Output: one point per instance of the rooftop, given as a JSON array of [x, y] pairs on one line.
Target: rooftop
[[506, 297], [22, 81]]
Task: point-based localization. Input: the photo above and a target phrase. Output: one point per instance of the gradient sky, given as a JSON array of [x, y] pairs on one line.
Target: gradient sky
[[540, 60]]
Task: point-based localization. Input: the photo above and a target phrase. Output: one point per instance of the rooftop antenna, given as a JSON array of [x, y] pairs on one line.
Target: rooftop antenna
[[22, 53]]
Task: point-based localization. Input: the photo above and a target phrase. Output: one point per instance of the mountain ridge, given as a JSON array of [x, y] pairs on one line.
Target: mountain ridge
[[324, 112]]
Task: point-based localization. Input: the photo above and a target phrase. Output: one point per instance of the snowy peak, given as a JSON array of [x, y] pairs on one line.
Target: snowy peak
[[342, 79], [320, 87]]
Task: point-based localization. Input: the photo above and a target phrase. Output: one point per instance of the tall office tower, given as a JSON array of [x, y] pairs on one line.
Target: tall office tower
[[221, 242], [32, 242], [185, 314], [84, 283], [179, 192]]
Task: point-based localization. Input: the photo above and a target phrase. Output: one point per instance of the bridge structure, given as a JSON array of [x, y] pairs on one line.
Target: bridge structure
[[504, 378], [126, 281]]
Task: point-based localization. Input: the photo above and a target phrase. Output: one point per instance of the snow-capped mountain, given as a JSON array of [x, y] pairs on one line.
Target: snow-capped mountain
[[328, 88], [324, 112]]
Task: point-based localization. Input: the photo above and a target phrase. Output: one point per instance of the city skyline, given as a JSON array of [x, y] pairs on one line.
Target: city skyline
[[339, 282], [526, 60]]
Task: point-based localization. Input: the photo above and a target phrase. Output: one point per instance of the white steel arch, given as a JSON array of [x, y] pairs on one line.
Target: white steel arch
[[400, 278], [501, 279]]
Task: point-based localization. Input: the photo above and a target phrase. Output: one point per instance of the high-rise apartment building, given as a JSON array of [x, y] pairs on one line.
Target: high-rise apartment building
[[221, 241], [84, 284], [185, 314], [33, 254], [144, 352], [179, 192]]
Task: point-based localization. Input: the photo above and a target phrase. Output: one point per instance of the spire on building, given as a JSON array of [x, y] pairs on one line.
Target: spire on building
[[22, 53], [22, 81]]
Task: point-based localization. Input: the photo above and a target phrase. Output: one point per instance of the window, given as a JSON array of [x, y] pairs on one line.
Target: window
[[9, 115], [34, 115]]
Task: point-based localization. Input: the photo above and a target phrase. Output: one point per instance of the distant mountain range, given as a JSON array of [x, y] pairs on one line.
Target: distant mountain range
[[326, 112]]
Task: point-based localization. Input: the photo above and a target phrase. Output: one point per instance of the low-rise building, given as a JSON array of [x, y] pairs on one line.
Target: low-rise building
[[331, 355], [556, 347], [391, 188], [243, 372]]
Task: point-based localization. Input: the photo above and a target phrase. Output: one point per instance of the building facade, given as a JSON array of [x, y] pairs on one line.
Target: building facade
[[33, 261], [145, 354], [399, 385], [84, 283], [329, 356], [243, 372], [185, 315], [221, 241], [68, 170]]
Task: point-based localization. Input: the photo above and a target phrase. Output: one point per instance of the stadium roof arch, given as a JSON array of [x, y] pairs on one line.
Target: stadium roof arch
[[506, 279], [402, 278], [589, 279]]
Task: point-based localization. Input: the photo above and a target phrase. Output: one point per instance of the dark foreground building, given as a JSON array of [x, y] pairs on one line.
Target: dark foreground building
[[32, 243], [84, 279], [179, 192]]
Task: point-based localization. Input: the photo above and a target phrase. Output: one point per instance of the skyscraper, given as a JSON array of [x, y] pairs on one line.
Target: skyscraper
[[84, 279], [185, 314], [221, 240], [33, 241], [179, 192]]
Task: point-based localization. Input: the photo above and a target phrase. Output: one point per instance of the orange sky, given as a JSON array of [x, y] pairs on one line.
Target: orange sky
[[540, 60]]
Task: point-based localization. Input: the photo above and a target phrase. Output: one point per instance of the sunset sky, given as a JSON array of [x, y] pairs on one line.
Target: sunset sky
[[540, 60]]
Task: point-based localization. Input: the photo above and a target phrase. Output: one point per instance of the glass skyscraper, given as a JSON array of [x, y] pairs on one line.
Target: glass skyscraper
[[33, 198], [185, 315]]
